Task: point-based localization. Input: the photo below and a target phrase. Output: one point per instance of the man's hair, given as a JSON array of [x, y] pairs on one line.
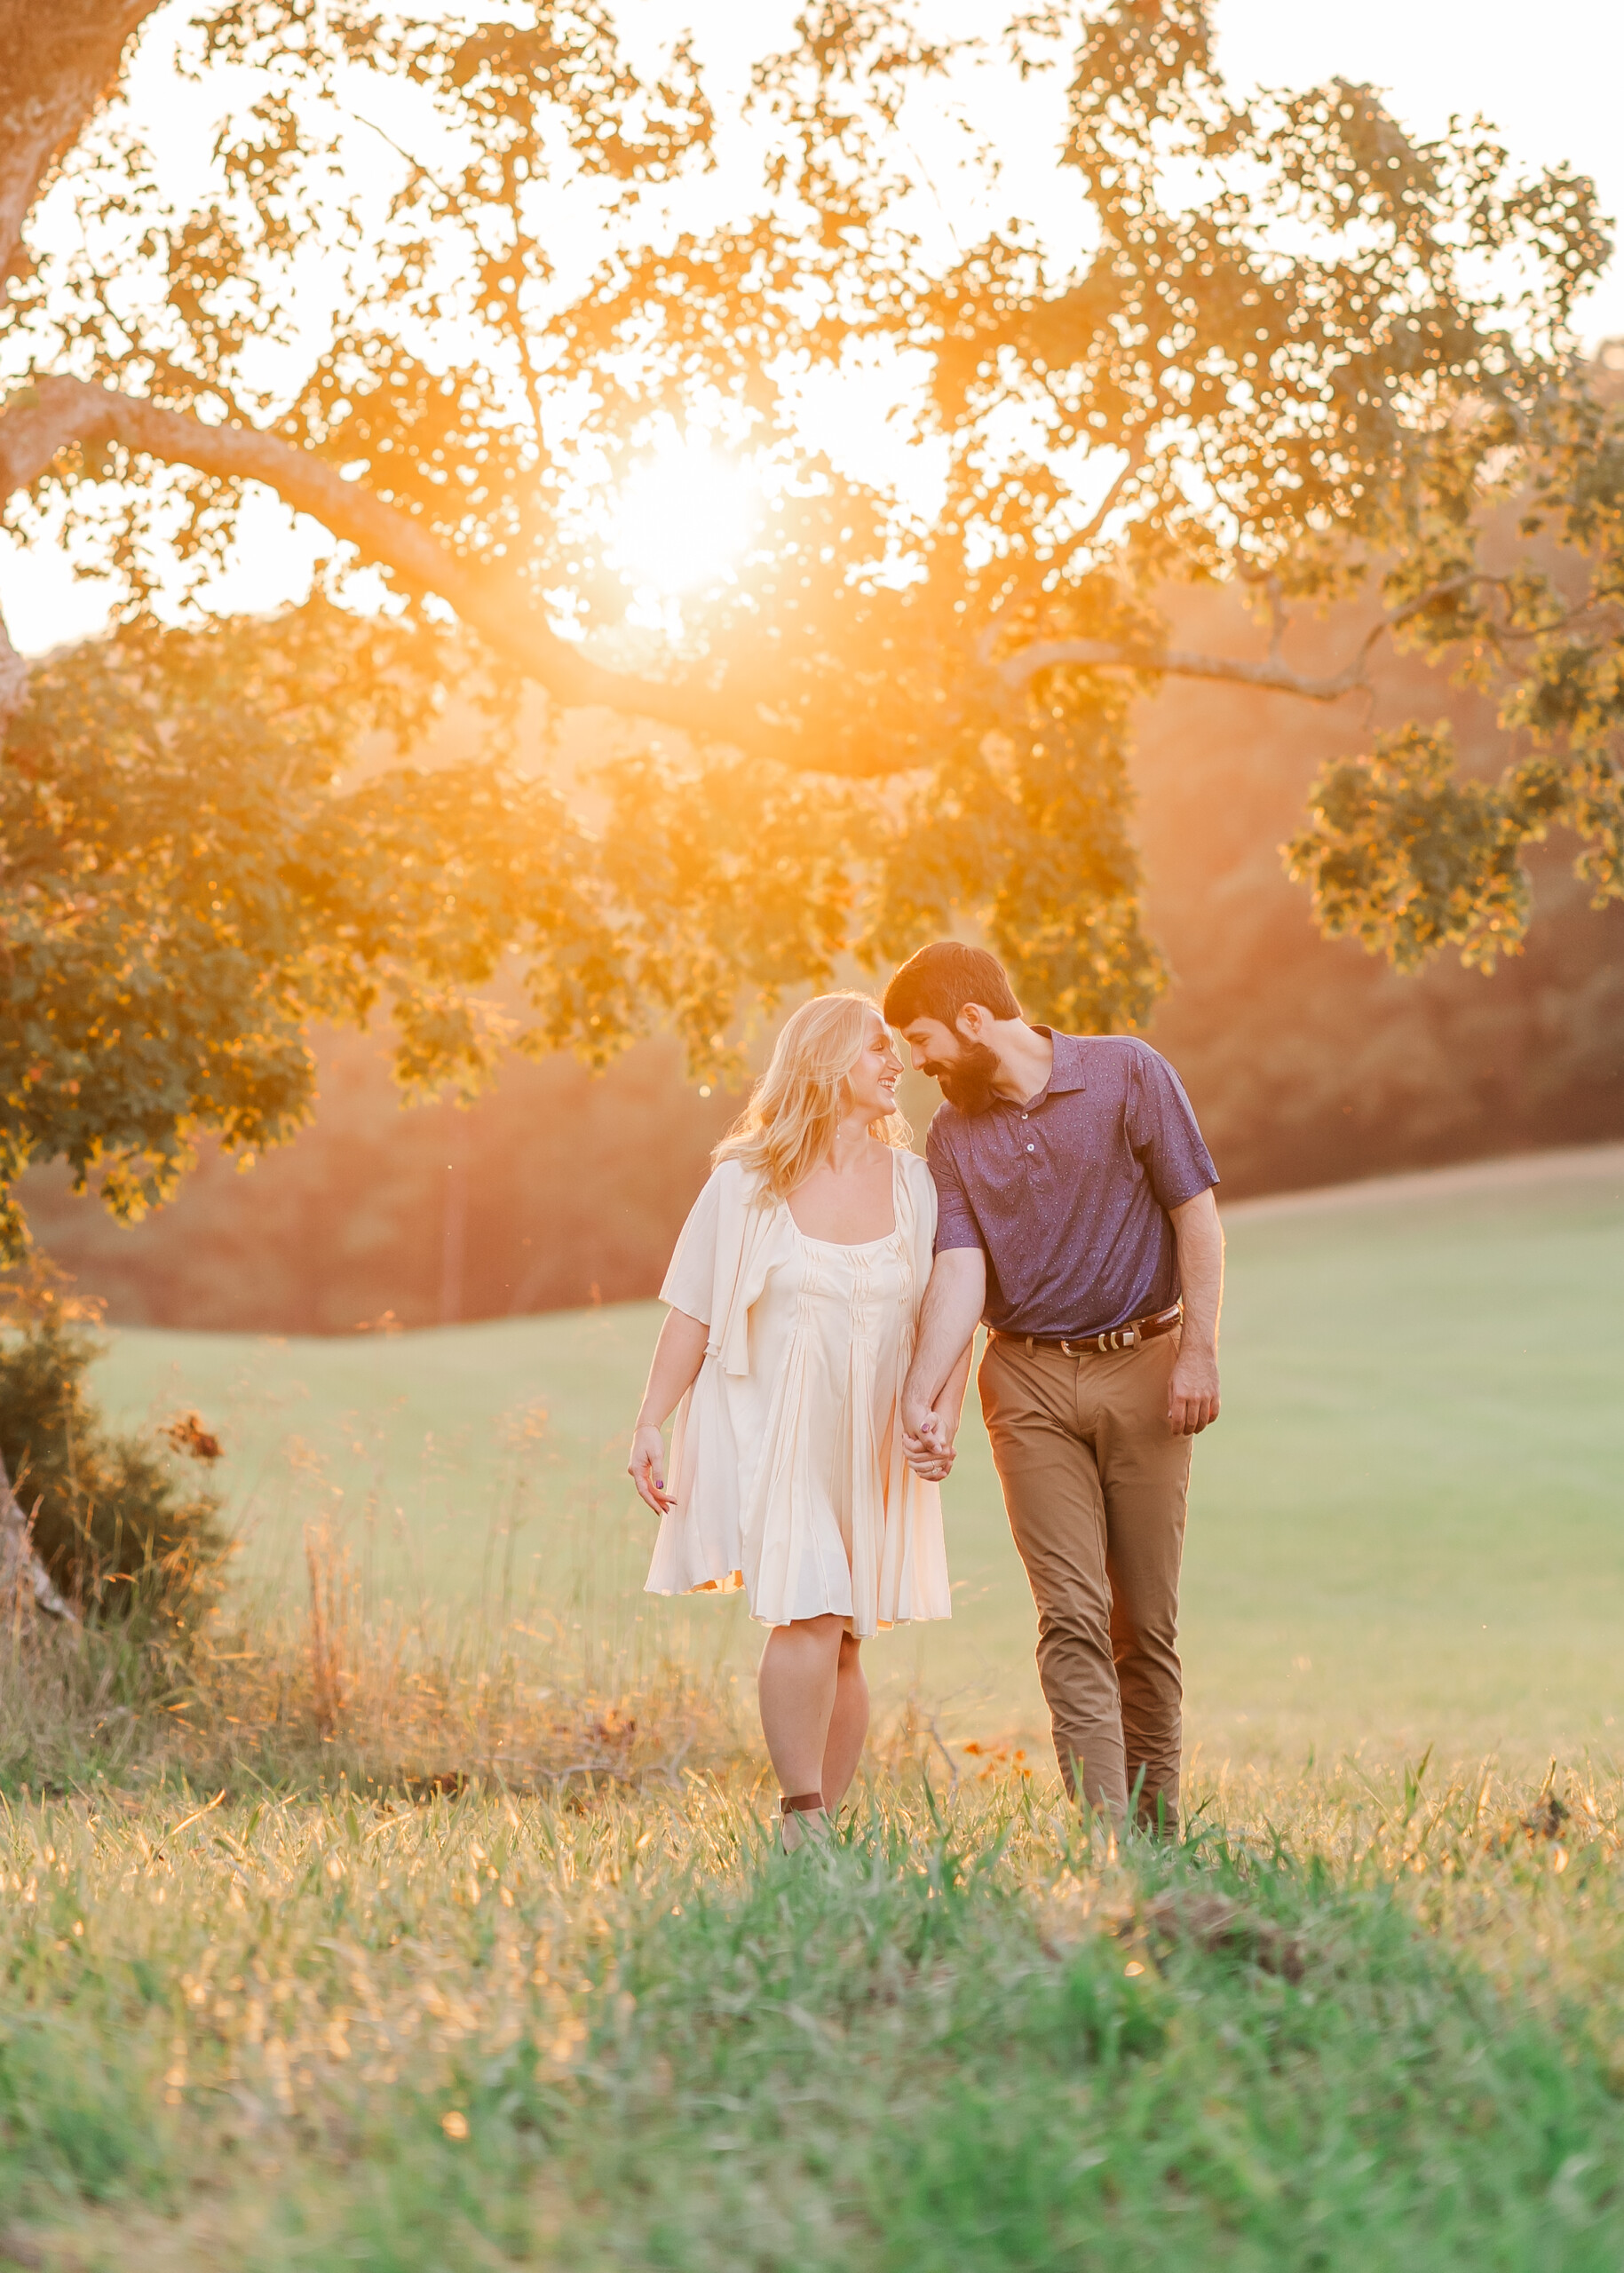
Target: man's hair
[[940, 980]]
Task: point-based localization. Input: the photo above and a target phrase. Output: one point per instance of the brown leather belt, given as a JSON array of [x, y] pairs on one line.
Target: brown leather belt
[[1100, 1345]]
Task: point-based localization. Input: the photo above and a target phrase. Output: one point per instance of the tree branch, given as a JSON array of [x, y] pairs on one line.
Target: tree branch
[[13, 678], [1270, 674], [1133, 459], [56, 412], [37, 425], [1100, 655]]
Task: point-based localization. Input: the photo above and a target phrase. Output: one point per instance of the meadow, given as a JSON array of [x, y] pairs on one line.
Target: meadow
[[1370, 2027], [1404, 1531], [429, 1918]]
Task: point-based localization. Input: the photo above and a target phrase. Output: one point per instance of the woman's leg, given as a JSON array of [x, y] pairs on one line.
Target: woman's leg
[[796, 1686], [848, 1723]]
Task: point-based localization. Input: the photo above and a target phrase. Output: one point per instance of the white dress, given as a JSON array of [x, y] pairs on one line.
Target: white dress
[[787, 1462]]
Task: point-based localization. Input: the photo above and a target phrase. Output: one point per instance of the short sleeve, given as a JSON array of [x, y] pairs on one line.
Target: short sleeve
[[690, 1283], [955, 1221], [1164, 1133], [921, 1185]]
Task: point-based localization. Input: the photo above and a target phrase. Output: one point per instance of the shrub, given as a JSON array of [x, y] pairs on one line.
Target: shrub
[[116, 1523]]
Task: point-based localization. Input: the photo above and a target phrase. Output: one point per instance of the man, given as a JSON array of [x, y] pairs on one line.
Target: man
[[1076, 1220]]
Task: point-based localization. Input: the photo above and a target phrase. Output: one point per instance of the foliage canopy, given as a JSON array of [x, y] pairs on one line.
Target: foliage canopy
[[1281, 343]]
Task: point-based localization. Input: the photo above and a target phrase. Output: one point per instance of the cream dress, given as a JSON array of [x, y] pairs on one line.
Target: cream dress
[[786, 1464]]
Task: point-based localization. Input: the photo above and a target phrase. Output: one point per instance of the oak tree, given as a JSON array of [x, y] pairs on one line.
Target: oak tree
[[1281, 343]]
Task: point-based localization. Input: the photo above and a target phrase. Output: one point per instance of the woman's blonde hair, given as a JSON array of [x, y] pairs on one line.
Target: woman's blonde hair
[[788, 1129]]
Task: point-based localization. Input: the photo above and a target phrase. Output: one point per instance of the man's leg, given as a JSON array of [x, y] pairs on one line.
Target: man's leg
[[1051, 1489], [1145, 1474]]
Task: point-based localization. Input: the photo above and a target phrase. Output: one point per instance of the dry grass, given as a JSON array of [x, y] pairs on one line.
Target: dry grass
[[1344, 2026], [279, 1698], [341, 1942]]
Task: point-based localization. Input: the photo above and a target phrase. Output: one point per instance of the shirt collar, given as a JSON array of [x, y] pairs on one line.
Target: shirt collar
[[1067, 1069]]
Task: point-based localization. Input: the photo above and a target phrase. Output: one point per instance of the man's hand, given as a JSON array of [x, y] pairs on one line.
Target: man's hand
[[1192, 1389]]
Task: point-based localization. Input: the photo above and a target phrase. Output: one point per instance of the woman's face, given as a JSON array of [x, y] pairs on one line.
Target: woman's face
[[872, 1082]]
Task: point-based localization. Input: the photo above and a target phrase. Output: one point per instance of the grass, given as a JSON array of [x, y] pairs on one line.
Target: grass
[[426, 1918], [1403, 1531], [1343, 2026]]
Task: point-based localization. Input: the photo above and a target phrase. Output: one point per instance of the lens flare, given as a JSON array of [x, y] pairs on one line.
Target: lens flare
[[683, 519]]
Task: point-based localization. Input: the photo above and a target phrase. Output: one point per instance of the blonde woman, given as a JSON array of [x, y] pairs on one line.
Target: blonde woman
[[794, 1294]]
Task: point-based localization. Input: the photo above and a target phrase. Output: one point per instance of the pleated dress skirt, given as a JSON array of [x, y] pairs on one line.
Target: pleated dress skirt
[[831, 1520]]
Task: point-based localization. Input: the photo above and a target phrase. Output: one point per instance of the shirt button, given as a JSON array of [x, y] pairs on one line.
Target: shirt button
[[1032, 1148]]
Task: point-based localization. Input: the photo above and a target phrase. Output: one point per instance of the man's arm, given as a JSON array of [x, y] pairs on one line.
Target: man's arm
[[932, 1456], [1192, 1389], [953, 1303]]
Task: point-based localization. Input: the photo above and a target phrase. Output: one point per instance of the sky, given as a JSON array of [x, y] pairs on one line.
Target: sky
[[1554, 99], [1551, 79]]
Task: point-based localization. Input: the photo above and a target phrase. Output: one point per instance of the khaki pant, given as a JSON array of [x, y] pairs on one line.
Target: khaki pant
[[1094, 1482]]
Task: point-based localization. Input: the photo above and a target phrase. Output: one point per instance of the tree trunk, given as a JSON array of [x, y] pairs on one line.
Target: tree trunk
[[58, 59], [19, 1565]]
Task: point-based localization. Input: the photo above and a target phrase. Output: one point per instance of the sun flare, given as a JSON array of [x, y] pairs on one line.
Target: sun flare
[[683, 518]]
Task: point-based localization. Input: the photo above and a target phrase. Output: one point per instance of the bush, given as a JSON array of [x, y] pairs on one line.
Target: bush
[[116, 1524]]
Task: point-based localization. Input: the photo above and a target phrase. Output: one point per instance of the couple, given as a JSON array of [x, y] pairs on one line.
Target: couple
[[824, 1298]]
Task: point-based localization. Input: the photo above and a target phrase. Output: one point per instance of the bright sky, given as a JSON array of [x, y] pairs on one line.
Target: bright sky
[[1548, 79], [1551, 86]]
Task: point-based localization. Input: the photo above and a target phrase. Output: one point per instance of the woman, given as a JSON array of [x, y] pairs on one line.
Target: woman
[[795, 1291]]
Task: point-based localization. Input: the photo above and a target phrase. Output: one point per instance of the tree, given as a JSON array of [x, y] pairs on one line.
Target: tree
[[902, 704]]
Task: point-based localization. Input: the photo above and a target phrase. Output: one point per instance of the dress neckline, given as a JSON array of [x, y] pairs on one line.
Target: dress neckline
[[856, 1246]]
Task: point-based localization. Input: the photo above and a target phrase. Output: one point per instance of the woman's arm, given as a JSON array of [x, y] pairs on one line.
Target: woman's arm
[[678, 1355]]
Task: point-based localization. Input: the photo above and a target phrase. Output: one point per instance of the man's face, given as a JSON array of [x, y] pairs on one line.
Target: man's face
[[965, 1069], [932, 1045]]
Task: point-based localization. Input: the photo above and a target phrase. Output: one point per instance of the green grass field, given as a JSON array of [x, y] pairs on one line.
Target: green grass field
[[574, 2011], [1340, 2030], [1405, 1531]]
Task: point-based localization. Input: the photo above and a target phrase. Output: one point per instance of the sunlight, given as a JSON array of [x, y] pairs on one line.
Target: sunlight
[[683, 518]]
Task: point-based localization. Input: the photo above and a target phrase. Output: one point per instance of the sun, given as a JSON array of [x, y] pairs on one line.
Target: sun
[[683, 518]]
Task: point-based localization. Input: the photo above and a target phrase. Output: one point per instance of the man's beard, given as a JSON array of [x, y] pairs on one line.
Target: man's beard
[[967, 1083]]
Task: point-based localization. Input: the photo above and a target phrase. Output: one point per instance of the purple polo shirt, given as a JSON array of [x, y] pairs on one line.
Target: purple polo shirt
[[1069, 1194]]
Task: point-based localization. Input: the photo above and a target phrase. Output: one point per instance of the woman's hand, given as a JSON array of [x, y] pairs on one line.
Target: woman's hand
[[930, 1453], [646, 1467], [678, 1355]]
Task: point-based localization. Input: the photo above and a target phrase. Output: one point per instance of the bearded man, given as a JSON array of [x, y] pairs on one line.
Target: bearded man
[[1076, 1221]]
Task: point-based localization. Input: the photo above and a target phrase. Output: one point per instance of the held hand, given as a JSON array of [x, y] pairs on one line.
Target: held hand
[[928, 1452], [646, 1468], [1193, 1390], [917, 1417]]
